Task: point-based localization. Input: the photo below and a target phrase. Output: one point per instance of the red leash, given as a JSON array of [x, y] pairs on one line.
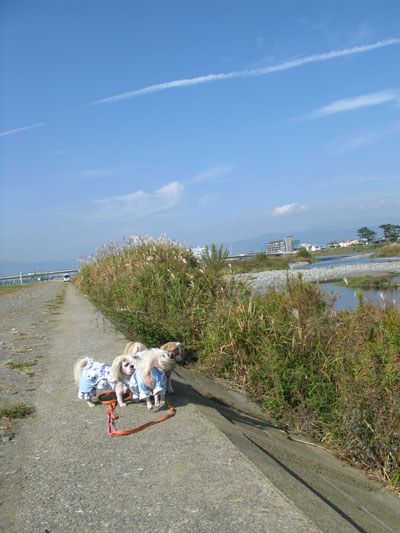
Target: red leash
[[113, 416]]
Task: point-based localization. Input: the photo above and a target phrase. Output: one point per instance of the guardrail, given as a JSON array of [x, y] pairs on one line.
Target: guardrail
[[38, 274]]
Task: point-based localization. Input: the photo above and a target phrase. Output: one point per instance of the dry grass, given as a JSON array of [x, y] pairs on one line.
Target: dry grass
[[389, 250]]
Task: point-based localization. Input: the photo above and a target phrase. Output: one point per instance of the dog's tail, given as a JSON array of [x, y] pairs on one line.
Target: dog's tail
[[81, 363], [134, 347], [146, 365], [151, 358]]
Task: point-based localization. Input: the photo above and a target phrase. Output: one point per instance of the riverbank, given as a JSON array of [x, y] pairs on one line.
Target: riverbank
[[307, 367], [261, 281]]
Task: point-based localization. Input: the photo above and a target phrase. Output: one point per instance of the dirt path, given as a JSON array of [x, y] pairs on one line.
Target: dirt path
[[62, 473]]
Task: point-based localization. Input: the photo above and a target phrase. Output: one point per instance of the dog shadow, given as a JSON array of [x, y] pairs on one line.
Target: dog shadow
[[185, 394]]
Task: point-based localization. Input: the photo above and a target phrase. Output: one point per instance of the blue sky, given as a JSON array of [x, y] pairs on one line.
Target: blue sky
[[207, 121]]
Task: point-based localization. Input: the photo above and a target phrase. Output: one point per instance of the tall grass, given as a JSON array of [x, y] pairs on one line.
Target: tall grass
[[388, 250], [333, 374], [157, 290]]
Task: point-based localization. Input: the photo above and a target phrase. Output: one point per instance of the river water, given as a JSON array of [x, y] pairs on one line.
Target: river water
[[346, 296]]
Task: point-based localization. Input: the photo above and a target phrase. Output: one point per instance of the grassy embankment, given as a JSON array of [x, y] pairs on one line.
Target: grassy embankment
[[6, 289], [333, 375], [371, 282]]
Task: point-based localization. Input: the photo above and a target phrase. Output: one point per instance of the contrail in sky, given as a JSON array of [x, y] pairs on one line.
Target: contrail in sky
[[249, 72], [348, 104], [10, 132]]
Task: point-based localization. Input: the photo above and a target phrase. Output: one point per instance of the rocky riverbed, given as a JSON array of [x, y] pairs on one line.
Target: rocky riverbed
[[260, 281]]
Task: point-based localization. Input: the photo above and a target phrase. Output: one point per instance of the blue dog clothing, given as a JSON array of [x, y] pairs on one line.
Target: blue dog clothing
[[139, 389], [97, 376]]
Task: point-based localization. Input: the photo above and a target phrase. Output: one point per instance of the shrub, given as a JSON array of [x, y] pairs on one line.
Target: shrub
[[156, 290], [303, 252]]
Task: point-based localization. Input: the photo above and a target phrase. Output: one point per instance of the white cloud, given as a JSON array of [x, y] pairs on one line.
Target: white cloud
[[140, 204], [288, 209], [18, 130], [247, 73], [212, 173], [364, 100]]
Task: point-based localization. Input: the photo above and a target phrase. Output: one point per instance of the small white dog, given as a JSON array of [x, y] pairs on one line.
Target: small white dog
[[173, 349], [91, 376], [134, 347], [149, 378], [175, 353]]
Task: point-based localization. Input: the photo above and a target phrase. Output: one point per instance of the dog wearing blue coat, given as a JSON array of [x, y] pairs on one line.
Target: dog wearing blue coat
[[149, 378]]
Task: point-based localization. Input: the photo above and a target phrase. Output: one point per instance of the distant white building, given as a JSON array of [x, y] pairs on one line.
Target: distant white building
[[345, 243], [284, 246], [197, 252], [310, 247]]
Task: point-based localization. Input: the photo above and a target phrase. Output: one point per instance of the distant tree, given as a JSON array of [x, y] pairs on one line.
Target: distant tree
[[303, 252], [391, 232], [366, 234]]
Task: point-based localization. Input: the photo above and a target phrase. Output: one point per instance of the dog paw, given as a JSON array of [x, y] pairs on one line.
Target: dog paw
[[90, 404], [122, 404]]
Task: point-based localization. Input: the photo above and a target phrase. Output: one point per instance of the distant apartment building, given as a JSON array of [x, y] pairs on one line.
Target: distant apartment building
[[285, 246], [198, 251]]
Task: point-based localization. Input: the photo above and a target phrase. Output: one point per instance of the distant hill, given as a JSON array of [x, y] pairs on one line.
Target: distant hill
[[253, 244], [13, 268]]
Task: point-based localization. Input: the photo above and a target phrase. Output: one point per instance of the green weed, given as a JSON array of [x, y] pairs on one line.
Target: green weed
[[19, 410], [20, 366]]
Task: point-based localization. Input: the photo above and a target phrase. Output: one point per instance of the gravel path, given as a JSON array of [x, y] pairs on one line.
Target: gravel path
[[62, 473], [260, 281]]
